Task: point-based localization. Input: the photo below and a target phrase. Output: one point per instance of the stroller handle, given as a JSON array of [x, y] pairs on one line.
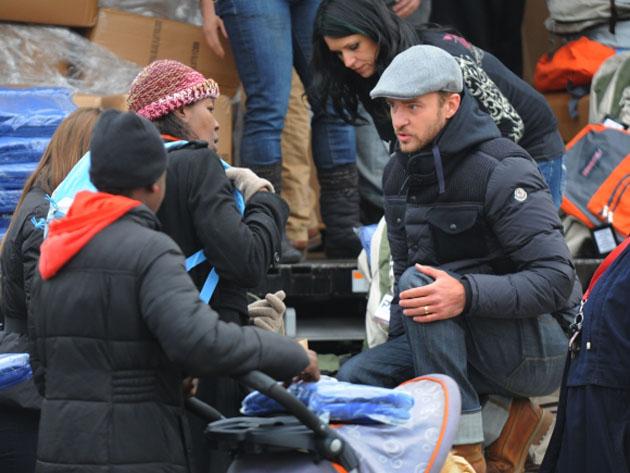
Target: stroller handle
[[331, 445], [203, 410]]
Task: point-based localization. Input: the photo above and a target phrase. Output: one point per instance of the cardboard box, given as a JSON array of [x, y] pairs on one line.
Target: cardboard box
[[118, 102], [568, 127], [535, 37], [81, 13], [143, 39], [222, 112]]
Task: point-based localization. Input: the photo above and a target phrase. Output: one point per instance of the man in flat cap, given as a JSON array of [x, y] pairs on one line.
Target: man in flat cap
[[480, 263], [117, 323]]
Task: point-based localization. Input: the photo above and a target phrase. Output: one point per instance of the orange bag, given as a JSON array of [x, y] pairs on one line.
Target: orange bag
[[574, 64]]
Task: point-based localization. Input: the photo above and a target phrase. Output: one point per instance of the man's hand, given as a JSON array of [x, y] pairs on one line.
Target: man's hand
[[190, 386], [311, 372], [404, 8], [246, 181], [443, 299], [212, 27], [268, 313]]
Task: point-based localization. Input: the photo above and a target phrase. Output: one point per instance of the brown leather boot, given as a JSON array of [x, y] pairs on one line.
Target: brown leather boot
[[526, 425], [473, 453]]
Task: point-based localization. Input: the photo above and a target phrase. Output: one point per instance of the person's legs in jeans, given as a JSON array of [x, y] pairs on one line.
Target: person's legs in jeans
[[509, 357], [260, 36], [334, 147], [372, 156], [554, 173], [386, 365]]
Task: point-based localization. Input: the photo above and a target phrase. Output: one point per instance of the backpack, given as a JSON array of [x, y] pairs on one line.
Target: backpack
[[575, 16], [610, 90], [375, 263], [572, 65], [78, 179], [598, 178]]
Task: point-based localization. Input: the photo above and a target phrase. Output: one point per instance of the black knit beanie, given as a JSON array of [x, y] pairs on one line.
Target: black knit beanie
[[126, 150]]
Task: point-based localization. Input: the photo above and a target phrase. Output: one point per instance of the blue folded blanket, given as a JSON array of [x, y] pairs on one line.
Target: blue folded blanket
[[14, 368], [337, 401]]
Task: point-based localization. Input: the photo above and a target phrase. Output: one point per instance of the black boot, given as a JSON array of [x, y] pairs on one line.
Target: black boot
[[273, 173], [339, 202]]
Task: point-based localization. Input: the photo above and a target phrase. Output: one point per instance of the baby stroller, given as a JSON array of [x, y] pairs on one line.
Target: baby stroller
[[301, 443]]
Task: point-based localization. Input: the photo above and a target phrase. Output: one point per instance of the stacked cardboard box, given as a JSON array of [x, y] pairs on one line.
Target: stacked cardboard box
[[142, 39], [568, 125], [77, 13], [138, 39]]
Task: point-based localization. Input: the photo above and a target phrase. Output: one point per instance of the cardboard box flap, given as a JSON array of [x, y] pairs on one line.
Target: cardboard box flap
[[143, 39], [80, 13]]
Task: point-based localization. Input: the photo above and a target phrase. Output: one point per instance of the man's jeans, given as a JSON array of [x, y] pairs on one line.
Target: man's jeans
[[485, 356], [268, 38], [554, 172]]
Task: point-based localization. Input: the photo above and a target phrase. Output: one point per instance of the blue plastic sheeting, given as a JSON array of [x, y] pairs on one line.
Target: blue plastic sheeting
[[13, 176], [33, 111], [14, 368], [22, 150], [4, 223], [338, 401], [8, 200]]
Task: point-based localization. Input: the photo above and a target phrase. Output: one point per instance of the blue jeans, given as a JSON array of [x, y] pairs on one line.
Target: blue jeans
[[268, 38], [554, 173], [485, 356]]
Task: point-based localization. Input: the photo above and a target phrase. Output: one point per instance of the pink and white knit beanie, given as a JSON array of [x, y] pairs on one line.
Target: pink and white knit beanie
[[166, 85]]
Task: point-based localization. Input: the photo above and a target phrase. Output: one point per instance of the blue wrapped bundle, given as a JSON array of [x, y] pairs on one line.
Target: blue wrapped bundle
[[22, 150], [33, 111], [13, 176], [9, 200], [338, 401], [14, 368]]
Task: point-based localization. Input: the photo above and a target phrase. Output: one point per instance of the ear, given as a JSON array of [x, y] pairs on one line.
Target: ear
[[182, 114], [155, 187], [452, 105]]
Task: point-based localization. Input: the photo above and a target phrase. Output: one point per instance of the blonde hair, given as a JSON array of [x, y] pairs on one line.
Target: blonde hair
[[68, 144]]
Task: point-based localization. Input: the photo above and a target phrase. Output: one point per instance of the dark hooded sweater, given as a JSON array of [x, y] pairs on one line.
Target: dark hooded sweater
[[494, 223]]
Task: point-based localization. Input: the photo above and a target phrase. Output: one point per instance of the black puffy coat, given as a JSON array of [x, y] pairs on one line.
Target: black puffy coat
[[116, 330], [20, 253], [199, 212], [495, 224]]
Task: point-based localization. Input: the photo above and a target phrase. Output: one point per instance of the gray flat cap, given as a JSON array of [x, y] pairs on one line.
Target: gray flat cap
[[417, 71]]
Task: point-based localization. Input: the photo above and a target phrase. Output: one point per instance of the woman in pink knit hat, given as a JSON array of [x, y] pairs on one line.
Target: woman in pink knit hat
[[199, 210]]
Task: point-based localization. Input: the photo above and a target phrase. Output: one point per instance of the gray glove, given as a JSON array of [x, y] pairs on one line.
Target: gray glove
[[268, 313], [246, 181]]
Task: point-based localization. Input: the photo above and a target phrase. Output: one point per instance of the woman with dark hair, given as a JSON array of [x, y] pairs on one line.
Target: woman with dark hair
[[355, 40], [20, 404], [200, 213]]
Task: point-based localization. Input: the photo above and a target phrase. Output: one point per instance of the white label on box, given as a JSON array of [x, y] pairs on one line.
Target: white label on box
[[382, 313], [359, 283]]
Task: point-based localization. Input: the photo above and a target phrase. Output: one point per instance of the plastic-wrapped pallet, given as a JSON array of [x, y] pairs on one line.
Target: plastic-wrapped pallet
[[28, 118], [56, 56], [184, 10]]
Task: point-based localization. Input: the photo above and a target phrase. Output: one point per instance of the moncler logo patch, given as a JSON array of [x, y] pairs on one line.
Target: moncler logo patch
[[520, 194]]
